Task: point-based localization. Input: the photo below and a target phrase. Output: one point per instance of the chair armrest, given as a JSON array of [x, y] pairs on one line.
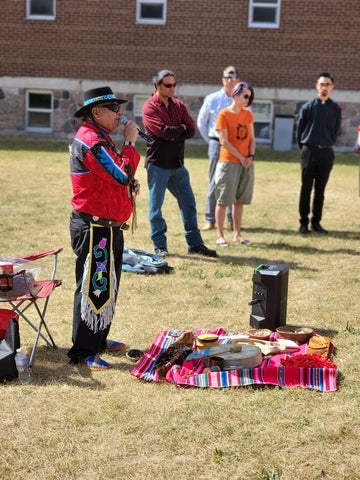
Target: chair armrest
[[46, 253]]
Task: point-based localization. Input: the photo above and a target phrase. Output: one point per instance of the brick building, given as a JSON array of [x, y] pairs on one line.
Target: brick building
[[54, 50]]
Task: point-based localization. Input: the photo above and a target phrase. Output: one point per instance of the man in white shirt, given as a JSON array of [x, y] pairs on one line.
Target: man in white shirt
[[206, 122]]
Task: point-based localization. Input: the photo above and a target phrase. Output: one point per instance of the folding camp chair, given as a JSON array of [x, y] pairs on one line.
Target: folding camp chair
[[25, 294]]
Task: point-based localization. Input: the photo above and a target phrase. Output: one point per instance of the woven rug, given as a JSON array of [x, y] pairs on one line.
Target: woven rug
[[270, 372]]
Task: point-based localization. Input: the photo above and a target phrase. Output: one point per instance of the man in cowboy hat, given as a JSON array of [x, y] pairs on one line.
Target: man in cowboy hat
[[104, 190]]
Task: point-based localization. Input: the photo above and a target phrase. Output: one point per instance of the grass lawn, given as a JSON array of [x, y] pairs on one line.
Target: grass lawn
[[73, 424]]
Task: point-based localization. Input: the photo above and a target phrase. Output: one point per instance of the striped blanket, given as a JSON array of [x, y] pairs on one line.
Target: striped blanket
[[270, 372]]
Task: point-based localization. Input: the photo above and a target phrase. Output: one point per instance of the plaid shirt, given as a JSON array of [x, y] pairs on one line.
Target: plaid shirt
[[165, 125]]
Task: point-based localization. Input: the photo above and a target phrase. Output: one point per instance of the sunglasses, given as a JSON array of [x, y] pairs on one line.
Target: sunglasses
[[246, 96], [169, 85], [232, 77], [114, 107]]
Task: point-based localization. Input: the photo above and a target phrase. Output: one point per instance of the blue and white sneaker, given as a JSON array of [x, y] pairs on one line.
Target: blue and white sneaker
[[114, 346], [94, 362]]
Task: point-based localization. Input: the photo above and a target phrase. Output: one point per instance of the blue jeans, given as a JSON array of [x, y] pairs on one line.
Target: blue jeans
[[177, 181]]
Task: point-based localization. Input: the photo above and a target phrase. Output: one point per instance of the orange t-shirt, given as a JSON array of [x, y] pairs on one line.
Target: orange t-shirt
[[237, 126]]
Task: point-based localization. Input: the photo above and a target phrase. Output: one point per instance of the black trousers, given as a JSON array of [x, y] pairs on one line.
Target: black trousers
[[316, 165], [85, 341]]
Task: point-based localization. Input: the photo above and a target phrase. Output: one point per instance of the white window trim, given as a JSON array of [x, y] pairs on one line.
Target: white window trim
[[138, 103], [275, 5], [151, 21], [39, 17], [50, 111], [258, 118]]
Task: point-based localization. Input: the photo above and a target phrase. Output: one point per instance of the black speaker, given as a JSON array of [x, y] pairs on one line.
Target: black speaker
[[269, 301]]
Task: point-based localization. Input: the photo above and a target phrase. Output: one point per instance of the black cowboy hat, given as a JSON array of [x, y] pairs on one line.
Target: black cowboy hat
[[97, 96]]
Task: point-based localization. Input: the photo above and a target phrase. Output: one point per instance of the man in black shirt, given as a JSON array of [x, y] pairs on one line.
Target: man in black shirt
[[318, 126]]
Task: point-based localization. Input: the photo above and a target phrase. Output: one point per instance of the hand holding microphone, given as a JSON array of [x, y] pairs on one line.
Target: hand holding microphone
[[142, 134]]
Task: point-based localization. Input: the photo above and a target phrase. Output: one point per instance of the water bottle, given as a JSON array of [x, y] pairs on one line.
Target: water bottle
[[22, 365]]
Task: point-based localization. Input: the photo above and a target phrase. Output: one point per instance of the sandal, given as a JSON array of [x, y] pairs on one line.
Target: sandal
[[221, 242], [245, 242], [241, 240]]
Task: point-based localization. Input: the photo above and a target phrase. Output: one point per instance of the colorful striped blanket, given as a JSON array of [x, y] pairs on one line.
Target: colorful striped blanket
[[270, 372]]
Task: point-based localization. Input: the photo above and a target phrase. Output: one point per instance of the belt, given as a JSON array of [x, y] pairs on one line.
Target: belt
[[320, 147], [214, 138], [104, 222]]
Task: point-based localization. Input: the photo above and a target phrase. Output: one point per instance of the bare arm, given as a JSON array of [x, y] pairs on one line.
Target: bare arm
[[245, 161]]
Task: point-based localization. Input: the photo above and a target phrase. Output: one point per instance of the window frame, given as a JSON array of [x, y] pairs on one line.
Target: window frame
[[29, 16], [151, 21], [263, 118], [138, 103], [275, 5], [29, 110]]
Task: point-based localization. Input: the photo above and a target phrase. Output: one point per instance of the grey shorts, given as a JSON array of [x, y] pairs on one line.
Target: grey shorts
[[234, 183]]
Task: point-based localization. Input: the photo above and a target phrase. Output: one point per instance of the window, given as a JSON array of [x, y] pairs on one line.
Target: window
[[264, 13], [150, 11], [39, 111], [139, 101], [263, 115], [40, 9]]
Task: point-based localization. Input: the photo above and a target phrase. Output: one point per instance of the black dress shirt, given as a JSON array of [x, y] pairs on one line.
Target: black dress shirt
[[319, 123]]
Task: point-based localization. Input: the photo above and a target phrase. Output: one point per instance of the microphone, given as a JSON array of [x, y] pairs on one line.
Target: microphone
[[142, 134]]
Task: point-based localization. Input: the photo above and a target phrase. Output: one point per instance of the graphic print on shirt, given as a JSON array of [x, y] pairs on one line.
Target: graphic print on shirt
[[241, 132]]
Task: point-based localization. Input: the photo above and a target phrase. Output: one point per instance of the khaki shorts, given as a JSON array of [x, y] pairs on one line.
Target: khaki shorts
[[234, 183]]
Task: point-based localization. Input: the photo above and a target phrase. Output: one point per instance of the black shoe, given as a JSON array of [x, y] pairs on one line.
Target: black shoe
[[318, 228], [161, 252], [304, 229], [202, 250]]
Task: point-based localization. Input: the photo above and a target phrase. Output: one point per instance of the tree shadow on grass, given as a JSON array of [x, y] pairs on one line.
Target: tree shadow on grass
[[341, 234], [279, 246], [256, 261], [53, 367], [229, 259], [307, 249]]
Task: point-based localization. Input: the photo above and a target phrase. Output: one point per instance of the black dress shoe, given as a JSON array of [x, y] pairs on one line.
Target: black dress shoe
[[304, 229], [202, 250], [318, 228]]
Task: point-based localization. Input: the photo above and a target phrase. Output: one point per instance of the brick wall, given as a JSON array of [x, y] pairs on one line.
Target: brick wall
[[87, 42], [198, 39]]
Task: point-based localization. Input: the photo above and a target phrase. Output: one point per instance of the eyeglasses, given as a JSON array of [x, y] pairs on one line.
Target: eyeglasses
[[245, 95], [169, 85], [114, 107], [229, 77]]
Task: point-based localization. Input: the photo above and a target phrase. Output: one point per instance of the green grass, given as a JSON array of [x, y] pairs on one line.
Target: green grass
[[72, 424]]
